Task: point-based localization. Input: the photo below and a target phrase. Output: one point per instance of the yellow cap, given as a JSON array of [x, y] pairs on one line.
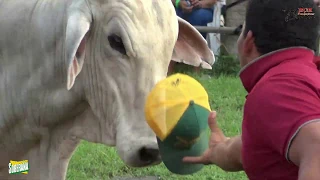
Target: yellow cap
[[169, 100]]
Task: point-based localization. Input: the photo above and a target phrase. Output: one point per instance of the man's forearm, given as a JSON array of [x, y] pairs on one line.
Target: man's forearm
[[228, 155], [309, 168], [312, 174]]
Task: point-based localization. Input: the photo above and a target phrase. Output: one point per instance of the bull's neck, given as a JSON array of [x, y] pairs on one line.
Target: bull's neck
[[26, 111]]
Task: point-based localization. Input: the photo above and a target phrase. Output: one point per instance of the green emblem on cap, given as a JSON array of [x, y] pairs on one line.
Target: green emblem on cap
[[183, 143]]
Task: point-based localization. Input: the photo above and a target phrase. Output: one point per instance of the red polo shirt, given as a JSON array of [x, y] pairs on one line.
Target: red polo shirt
[[283, 95]]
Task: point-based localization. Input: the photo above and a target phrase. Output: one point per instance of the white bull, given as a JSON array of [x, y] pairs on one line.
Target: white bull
[[81, 69]]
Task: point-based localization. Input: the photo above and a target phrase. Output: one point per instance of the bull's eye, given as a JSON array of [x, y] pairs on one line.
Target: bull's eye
[[117, 44]]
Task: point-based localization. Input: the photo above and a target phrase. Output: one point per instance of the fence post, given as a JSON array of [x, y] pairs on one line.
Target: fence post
[[235, 16], [213, 39]]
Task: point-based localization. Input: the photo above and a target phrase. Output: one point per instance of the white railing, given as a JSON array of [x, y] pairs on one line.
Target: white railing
[[214, 39]]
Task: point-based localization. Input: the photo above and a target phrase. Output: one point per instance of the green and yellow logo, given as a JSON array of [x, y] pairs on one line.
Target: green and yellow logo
[[183, 143], [18, 167]]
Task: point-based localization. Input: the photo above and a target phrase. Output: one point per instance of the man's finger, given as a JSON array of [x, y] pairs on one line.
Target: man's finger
[[216, 132], [196, 4], [189, 9], [193, 160]]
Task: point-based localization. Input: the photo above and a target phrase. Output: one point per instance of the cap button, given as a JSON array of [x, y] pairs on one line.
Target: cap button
[[191, 102]]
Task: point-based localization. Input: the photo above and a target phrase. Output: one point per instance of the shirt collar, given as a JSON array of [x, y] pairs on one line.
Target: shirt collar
[[251, 73]]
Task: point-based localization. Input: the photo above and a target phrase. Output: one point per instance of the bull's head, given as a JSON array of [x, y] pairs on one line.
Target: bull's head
[[117, 50]]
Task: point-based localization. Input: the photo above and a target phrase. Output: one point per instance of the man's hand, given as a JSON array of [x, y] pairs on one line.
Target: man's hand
[[196, 3], [216, 137], [185, 7], [223, 152], [317, 2]]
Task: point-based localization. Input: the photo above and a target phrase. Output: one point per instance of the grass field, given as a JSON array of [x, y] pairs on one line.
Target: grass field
[[98, 162]]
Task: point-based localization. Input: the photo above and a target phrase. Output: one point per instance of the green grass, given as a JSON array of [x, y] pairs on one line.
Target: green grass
[[98, 162]]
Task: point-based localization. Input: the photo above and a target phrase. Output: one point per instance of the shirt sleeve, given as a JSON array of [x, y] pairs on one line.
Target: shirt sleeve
[[281, 107]]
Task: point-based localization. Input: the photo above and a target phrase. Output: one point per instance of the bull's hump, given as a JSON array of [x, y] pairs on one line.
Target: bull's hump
[[28, 22]]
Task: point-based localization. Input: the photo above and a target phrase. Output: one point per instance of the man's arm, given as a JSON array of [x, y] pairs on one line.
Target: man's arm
[[304, 151], [223, 152], [227, 155]]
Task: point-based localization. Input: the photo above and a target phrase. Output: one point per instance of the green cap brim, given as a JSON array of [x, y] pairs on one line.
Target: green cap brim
[[192, 125]]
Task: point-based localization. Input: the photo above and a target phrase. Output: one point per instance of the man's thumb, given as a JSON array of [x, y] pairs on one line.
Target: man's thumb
[[212, 120]]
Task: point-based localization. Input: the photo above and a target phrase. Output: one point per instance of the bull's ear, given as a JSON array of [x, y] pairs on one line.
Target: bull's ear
[[77, 28], [191, 48]]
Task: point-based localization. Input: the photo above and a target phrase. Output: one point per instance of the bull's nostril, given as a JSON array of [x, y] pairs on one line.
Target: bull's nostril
[[149, 154]]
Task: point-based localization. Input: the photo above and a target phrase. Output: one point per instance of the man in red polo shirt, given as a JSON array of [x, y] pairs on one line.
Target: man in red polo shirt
[[280, 137]]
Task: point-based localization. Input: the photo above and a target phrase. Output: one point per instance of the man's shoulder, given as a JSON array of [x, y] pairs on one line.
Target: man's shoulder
[[281, 100], [295, 72], [286, 87]]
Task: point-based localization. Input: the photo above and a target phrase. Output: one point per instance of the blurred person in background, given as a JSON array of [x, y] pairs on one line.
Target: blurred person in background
[[196, 12]]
